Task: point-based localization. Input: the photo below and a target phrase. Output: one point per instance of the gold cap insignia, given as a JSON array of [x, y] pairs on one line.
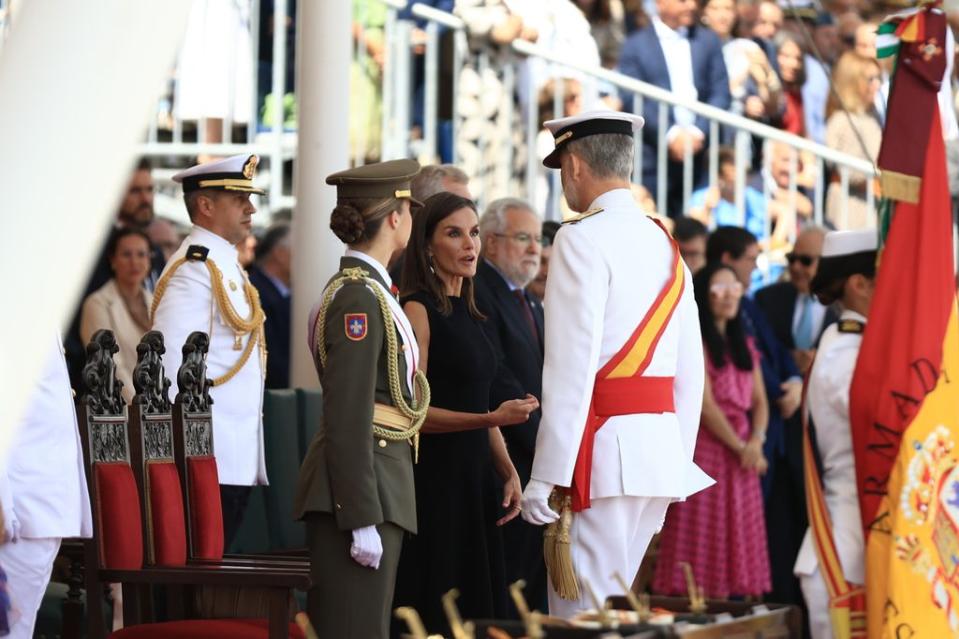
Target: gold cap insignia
[[563, 138], [249, 169]]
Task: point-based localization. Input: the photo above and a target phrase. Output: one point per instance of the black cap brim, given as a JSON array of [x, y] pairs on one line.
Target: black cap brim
[[833, 269], [551, 161]]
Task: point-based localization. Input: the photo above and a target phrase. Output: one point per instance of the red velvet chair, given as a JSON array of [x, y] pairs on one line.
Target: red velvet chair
[[193, 449], [116, 552]]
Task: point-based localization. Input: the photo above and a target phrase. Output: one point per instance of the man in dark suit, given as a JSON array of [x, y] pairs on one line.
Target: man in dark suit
[[678, 55], [796, 316], [510, 232], [270, 275]]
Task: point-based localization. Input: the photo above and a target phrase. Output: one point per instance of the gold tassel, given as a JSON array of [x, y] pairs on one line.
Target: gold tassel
[[557, 549], [899, 186]]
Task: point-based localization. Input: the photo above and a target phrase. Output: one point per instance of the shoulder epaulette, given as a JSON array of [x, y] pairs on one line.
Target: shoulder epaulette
[[582, 216], [197, 253], [851, 326]]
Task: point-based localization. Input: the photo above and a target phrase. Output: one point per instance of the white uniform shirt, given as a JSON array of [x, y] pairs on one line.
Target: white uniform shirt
[[828, 399], [605, 272], [43, 486], [188, 305]]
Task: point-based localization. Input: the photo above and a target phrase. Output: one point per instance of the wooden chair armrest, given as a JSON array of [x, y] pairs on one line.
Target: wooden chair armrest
[[212, 575]]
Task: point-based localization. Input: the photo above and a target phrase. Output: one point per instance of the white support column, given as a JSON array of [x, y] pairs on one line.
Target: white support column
[[79, 82], [323, 42]]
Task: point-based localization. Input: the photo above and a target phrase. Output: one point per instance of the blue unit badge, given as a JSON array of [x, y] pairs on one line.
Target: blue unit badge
[[355, 324]]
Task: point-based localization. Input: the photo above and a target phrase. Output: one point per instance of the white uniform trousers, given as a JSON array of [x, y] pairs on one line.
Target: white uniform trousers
[[817, 602], [611, 536], [28, 564]]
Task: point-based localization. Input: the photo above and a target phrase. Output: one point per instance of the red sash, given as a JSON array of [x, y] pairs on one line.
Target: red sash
[[620, 388]]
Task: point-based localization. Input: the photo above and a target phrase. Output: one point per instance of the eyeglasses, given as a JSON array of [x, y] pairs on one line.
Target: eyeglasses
[[733, 288], [522, 238], [805, 260]]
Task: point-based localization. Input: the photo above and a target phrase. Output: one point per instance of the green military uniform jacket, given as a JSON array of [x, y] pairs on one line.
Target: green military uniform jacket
[[360, 479]]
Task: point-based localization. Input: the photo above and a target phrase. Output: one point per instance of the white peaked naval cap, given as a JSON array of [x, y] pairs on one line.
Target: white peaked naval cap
[[588, 123]]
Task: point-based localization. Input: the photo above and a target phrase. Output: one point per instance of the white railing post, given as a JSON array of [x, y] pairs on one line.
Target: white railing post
[[661, 159], [431, 94], [279, 86]]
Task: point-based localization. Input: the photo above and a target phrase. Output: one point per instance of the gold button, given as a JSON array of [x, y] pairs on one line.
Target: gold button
[[382, 443], [404, 348], [338, 507]]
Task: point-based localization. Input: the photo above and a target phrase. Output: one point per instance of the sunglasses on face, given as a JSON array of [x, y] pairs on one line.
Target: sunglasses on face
[[805, 260]]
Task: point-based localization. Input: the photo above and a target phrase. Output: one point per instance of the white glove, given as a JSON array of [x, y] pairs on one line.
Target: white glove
[[367, 548], [535, 503]]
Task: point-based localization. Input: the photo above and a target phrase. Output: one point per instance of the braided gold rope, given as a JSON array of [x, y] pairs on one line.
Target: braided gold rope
[[417, 412], [252, 326]]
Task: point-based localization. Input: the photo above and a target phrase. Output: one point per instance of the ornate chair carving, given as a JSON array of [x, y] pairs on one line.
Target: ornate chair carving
[[116, 552], [151, 440], [193, 450]]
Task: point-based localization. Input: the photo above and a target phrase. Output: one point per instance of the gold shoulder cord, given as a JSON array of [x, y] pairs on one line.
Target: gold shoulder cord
[[252, 326], [417, 412]]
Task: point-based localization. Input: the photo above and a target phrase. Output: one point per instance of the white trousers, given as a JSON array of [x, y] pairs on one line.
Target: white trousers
[[28, 564], [609, 537], [817, 602]]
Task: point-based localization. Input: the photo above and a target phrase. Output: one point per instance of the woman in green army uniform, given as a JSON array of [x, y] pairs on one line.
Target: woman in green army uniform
[[355, 489]]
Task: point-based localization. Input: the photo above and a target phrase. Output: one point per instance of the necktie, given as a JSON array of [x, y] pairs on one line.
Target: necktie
[[803, 333], [520, 296]]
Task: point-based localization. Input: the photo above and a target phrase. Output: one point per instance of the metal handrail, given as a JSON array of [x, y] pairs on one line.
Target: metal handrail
[[706, 110], [435, 15]]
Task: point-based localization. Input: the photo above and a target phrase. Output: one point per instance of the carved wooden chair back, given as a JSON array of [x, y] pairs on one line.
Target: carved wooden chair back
[[117, 541], [194, 454], [151, 449]]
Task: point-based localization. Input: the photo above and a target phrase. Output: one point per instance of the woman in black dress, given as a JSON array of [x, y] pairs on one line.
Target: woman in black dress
[[466, 486]]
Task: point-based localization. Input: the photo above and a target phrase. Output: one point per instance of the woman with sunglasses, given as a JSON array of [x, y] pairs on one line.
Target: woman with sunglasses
[[733, 559]]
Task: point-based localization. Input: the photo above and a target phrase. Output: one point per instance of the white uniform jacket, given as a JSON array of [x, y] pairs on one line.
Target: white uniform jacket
[[188, 305], [43, 486], [828, 399], [605, 273]]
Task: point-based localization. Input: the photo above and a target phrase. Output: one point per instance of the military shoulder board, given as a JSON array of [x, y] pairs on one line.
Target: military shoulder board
[[582, 216], [851, 326], [197, 253]]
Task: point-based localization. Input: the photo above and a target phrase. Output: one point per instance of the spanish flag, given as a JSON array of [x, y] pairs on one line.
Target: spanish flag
[[904, 405]]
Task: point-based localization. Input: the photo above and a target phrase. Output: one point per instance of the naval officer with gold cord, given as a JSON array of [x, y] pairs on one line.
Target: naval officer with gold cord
[[355, 489], [204, 288]]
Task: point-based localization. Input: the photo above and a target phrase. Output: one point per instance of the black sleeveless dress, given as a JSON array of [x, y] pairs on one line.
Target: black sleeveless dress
[[458, 493]]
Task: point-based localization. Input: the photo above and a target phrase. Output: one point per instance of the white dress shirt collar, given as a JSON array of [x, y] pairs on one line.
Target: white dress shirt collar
[[667, 32], [372, 262]]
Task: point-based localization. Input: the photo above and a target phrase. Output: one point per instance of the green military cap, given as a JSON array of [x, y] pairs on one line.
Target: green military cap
[[382, 179]]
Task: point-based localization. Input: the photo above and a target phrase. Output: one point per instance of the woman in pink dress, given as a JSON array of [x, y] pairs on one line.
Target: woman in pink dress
[[721, 531]]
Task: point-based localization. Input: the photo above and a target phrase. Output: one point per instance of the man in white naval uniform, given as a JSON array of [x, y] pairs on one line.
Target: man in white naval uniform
[[607, 273], [43, 490], [204, 288], [846, 274]]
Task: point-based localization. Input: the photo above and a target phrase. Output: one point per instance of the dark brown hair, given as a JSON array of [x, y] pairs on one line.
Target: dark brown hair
[[113, 242], [358, 220], [418, 274]]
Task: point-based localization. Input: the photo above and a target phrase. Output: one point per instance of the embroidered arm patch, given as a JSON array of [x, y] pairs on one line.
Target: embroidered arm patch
[[355, 326]]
